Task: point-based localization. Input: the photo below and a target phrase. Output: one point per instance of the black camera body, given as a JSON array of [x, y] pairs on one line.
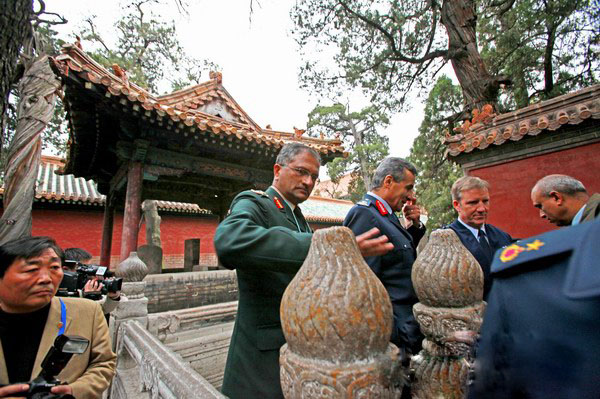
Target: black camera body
[[72, 282], [55, 361]]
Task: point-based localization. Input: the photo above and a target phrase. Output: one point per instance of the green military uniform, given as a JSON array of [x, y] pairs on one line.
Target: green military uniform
[[266, 243]]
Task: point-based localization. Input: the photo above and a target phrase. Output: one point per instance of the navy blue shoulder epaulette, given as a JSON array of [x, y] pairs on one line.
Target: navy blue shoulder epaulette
[[583, 276], [364, 202]]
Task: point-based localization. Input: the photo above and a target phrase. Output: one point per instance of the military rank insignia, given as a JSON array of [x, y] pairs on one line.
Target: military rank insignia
[[512, 251], [259, 192], [381, 208], [278, 203]]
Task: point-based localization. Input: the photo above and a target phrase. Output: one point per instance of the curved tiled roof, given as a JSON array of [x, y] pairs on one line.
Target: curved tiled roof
[[325, 210], [68, 189], [549, 115], [180, 106]]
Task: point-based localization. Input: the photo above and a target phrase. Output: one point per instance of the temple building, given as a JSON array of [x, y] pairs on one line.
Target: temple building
[[193, 146]]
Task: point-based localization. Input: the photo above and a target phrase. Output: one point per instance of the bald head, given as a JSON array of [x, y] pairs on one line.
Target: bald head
[[559, 198]]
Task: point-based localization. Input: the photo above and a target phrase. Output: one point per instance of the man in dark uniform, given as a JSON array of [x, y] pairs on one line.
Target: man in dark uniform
[[471, 199], [266, 239], [540, 336], [392, 188]]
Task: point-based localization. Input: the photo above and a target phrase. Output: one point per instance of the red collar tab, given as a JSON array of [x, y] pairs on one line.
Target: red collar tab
[[381, 208], [278, 203]]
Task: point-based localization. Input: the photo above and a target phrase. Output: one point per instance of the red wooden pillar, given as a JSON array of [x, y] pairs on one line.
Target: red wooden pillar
[[133, 202], [107, 230]]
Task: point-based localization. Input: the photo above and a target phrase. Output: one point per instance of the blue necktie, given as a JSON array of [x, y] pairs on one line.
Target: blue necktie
[[485, 245]]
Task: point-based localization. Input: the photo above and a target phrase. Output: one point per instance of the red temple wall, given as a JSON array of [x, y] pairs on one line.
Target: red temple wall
[[78, 228], [511, 208]]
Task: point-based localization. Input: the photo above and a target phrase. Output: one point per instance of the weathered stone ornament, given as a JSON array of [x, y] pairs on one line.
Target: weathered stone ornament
[[337, 320], [132, 269], [449, 284]]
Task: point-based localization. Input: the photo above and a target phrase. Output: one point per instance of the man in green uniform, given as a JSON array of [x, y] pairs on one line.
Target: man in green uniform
[[266, 239]]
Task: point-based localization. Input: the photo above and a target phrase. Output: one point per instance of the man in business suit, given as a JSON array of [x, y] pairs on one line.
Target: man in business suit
[[471, 199], [31, 318], [539, 337], [564, 201], [392, 191], [265, 239]]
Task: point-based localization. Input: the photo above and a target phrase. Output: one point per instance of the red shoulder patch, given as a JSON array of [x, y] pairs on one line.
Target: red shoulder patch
[[278, 203], [381, 208]]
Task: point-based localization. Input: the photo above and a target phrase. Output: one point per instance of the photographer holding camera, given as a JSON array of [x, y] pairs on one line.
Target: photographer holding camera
[[93, 286], [31, 318]]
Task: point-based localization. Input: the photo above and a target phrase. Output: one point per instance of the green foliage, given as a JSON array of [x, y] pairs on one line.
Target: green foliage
[[147, 48], [547, 48], [436, 173], [359, 132], [383, 47], [389, 48]]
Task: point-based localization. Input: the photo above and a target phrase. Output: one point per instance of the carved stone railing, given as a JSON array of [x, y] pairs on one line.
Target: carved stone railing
[[199, 335], [449, 284], [147, 369], [165, 324], [337, 320]]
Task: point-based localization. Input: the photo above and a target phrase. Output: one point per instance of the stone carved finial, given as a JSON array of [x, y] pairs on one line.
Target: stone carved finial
[[449, 284], [132, 269], [337, 319]]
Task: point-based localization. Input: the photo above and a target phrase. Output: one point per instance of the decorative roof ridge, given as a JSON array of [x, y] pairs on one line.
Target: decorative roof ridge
[[68, 50], [53, 159], [174, 98], [549, 105], [279, 133], [326, 199], [548, 115]]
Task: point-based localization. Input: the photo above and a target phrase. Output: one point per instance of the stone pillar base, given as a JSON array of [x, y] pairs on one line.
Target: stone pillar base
[[311, 378]]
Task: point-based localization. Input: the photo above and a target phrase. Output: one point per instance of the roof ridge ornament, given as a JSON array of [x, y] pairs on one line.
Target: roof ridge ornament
[[216, 76]]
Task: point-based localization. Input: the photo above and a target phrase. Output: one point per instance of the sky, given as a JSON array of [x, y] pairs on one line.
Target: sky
[[259, 60]]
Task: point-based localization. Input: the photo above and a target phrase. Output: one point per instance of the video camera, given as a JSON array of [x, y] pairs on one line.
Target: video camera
[[72, 282], [55, 361]]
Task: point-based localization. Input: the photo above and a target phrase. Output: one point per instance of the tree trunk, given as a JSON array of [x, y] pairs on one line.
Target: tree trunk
[[38, 89], [478, 86], [14, 28], [364, 165]]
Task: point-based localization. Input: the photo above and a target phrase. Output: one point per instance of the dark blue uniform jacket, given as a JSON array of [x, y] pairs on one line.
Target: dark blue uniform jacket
[[394, 268], [541, 332]]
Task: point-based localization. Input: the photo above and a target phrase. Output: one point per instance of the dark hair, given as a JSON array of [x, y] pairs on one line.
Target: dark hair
[[290, 150], [77, 254], [394, 167], [25, 248]]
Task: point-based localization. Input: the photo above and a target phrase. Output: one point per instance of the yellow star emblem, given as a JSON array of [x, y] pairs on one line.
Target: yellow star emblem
[[534, 246]]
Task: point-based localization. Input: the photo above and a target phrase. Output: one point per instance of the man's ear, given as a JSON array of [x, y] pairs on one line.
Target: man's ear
[[455, 204], [276, 170], [559, 198], [387, 181]]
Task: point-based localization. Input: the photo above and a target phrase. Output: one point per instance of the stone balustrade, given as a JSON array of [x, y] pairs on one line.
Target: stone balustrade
[[337, 320], [449, 284], [148, 369], [165, 325]]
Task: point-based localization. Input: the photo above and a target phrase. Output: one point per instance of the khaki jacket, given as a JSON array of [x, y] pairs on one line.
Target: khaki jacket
[[90, 373]]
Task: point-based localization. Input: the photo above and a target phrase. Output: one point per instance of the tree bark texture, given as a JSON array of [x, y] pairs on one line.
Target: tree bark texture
[[14, 27], [38, 89], [478, 86]]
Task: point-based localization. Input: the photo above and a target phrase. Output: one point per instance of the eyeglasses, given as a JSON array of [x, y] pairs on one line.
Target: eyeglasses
[[304, 173]]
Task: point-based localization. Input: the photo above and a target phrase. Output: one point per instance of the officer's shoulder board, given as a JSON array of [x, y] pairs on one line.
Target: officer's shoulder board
[[581, 241], [364, 202]]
